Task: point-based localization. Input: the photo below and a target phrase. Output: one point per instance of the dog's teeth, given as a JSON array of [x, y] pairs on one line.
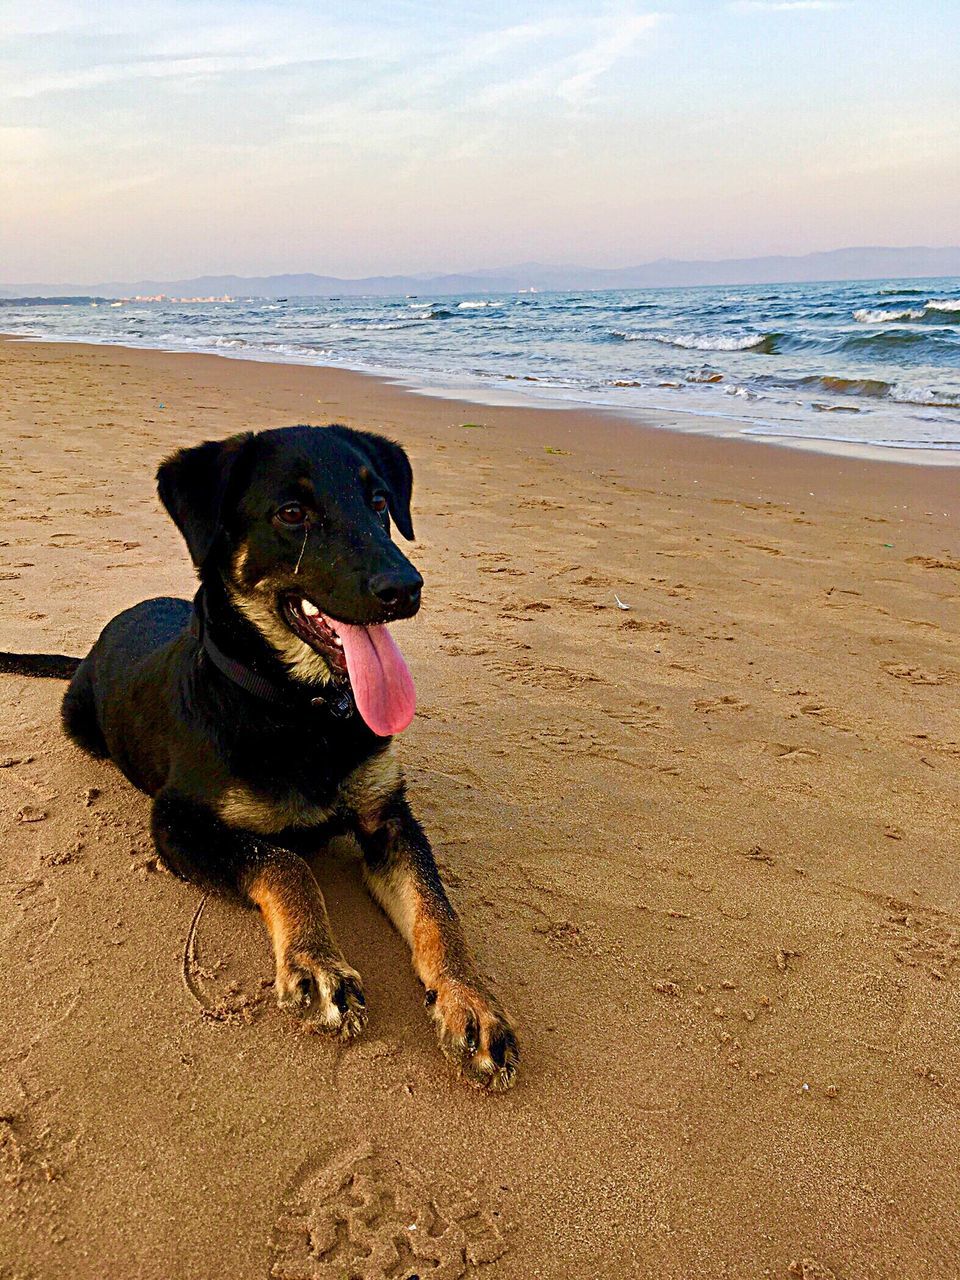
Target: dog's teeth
[[309, 609], [338, 642]]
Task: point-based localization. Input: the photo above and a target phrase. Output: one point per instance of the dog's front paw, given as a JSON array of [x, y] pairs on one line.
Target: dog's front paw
[[476, 1034], [324, 991]]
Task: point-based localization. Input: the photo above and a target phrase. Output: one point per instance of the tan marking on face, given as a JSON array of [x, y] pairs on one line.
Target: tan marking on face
[[302, 662], [239, 565], [251, 810], [365, 791]]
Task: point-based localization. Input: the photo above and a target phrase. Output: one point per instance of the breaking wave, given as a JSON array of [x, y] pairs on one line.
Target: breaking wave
[[876, 388], [762, 342], [879, 389], [935, 309]]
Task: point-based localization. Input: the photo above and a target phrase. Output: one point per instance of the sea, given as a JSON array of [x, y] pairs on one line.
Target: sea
[[864, 366]]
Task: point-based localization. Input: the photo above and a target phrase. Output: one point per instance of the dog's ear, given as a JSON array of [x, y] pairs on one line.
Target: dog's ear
[[193, 485], [392, 465]]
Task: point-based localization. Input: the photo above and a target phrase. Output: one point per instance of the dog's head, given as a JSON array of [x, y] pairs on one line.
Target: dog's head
[[296, 523]]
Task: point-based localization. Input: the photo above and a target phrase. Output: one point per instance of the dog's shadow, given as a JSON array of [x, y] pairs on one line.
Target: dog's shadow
[[228, 965]]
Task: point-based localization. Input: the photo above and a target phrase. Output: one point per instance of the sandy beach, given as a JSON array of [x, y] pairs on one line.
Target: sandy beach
[[706, 845]]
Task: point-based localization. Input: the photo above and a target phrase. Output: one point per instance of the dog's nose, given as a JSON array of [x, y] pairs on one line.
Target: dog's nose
[[399, 591]]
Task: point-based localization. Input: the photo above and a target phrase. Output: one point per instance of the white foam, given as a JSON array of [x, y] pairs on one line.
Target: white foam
[[374, 326], [705, 342], [869, 315], [925, 396], [866, 315]]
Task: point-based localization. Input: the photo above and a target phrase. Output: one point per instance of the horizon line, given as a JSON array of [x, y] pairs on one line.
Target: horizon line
[[439, 275]]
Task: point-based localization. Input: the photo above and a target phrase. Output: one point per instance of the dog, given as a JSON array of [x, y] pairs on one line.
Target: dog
[[260, 717]]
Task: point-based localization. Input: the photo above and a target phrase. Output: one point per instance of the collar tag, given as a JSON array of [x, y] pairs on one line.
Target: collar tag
[[341, 707]]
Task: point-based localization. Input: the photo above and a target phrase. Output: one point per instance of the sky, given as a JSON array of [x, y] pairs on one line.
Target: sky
[[170, 138]]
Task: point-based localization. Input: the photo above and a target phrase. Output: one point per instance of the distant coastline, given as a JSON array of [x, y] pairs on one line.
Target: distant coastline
[[858, 263]]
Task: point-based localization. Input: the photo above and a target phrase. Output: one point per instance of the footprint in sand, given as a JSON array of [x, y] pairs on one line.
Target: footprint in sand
[[361, 1215], [580, 742], [918, 936], [915, 675], [922, 938], [35, 912], [726, 702], [934, 562], [543, 676], [810, 1269], [34, 1153]]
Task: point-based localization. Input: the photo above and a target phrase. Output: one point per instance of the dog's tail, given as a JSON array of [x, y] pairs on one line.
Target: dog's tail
[[55, 666]]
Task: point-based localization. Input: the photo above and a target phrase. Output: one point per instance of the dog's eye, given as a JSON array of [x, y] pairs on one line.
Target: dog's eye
[[378, 502], [292, 513]]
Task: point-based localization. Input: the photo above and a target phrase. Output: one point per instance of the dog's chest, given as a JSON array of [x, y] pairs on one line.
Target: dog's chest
[[268, 809]]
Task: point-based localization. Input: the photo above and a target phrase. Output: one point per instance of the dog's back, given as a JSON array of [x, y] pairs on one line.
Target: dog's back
[[126, 652]]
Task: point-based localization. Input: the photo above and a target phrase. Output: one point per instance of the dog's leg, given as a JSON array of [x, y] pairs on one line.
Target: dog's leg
[[401, 873], [313, 979]]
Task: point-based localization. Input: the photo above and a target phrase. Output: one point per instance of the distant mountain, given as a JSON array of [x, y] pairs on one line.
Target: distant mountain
[[838, 264]]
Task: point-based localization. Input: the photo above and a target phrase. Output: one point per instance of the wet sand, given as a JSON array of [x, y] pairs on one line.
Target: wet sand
[[707, 846]]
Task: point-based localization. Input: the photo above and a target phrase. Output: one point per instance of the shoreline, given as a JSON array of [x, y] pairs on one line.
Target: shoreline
[[704, 846], [693, 421]]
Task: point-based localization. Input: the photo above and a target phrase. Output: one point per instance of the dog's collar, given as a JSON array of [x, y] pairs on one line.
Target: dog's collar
[[338, 701]]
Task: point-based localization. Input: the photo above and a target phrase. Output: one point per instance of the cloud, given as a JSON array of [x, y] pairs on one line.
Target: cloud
[[616, 38], [66, 51], [180, 69], [563, 53], [574, 55], [783, 6]]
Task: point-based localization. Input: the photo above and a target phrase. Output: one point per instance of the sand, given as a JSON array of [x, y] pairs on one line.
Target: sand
[[706, 846]]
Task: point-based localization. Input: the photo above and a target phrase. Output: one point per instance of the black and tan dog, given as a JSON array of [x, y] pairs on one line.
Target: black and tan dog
[[260, 718]]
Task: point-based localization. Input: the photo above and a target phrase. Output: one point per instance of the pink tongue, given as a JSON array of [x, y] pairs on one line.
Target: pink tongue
[[382, 685]]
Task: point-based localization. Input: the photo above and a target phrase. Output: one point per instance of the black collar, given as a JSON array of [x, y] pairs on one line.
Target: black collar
[[337, 701]]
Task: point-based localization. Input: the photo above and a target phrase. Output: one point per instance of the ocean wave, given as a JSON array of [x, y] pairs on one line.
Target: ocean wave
[[471, 306], [762, 342], [879, 389], [868, 315], [775, 431], [375, 326], [933, 309], [927, 397], [884, 339], [876, 388]]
